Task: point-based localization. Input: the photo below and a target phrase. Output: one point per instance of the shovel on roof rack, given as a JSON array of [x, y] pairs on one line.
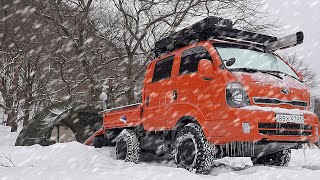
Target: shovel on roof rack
[[285, 42]]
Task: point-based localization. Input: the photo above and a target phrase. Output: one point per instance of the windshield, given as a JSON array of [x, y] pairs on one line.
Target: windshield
[[253, 59]]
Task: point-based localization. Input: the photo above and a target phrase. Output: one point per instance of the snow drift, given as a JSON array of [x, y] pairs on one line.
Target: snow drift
[[76, 161]]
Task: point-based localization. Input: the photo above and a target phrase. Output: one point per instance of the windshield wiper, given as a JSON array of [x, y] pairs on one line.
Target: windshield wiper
[[252, 70], [273, 73], [286, 74], [249, 70]]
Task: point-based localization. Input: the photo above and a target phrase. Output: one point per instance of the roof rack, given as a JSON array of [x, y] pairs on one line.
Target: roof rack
[[209, 28]]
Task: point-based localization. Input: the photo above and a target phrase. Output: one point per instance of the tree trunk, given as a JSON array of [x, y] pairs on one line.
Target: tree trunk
[[12, 120], [130, 85], [111, 97], [26, 117], [130, 95], [28, 97]]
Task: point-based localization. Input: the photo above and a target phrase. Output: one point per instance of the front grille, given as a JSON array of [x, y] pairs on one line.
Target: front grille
[[284, 126], [259, 100], [285, 133], [285, 129]]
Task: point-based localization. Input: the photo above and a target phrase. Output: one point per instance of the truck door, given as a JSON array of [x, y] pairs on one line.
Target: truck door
[[155, 95], [193, 92]]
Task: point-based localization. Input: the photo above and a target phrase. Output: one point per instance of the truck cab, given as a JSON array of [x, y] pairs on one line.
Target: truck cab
[[251, 95], [227, 95]]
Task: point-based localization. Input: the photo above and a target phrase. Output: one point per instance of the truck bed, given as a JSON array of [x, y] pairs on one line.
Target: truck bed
[[123, 116]]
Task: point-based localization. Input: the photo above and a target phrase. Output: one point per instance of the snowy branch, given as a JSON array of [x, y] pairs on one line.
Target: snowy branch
[[8, 158]]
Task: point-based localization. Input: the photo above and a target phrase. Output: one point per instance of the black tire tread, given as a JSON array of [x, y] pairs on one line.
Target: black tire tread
[[98, 142], [205, 152], [133, 145], [280, 158]]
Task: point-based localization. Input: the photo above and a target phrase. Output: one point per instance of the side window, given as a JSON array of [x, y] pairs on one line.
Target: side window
[[163, 69], [191, 57]]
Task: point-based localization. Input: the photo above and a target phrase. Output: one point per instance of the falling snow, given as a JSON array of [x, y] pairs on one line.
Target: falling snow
[[57, 57]]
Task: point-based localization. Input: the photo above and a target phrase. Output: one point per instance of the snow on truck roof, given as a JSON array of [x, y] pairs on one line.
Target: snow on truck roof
[[215, 28]]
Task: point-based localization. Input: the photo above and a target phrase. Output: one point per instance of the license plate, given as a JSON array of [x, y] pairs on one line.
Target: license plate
[[285, 118]]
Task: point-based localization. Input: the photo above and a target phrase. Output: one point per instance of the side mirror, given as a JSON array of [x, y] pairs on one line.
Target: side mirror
[[205, 69], [230, 62], [103, 97]]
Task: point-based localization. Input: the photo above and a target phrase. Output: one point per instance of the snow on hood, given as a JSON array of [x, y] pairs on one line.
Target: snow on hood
[[267, 79]]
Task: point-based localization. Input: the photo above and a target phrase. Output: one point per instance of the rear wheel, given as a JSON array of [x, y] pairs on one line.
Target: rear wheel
[[98, 141], [128, 146], [281, 158], [193, 151]]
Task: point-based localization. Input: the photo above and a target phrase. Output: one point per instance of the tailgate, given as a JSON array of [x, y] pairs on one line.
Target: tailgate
[[124, 116]]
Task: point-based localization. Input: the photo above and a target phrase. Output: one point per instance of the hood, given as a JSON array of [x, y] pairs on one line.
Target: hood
[[267, 90]]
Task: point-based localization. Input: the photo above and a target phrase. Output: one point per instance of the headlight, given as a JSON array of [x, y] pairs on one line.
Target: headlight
[[236, 95]]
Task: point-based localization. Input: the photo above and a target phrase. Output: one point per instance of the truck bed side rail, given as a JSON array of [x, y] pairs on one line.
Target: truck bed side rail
[[120, 107]]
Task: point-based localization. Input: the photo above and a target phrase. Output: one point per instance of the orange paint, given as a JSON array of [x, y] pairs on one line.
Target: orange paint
[[164, 102]]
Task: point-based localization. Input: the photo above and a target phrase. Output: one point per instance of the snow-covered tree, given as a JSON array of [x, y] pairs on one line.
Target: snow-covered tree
[[53, 51]]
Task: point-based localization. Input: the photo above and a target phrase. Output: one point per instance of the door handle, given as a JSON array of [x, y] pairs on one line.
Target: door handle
[[174, 95]]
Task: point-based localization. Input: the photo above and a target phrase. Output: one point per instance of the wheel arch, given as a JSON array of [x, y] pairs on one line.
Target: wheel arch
[[185, 112], [184, 120]]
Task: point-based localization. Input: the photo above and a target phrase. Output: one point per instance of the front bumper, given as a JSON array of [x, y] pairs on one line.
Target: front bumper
[[263, 126]]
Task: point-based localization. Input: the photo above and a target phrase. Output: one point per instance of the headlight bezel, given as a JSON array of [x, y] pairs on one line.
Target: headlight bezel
[[234, 91]]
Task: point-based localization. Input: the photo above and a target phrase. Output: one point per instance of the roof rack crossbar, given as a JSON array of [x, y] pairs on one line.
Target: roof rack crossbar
[[209, 28]]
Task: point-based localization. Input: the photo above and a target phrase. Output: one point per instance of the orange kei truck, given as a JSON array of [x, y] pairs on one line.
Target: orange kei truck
[[215, 91]]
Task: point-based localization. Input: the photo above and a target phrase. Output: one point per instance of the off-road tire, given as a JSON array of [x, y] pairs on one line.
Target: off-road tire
[[128, 146], [192, 150], [98, 141], [280, 158]]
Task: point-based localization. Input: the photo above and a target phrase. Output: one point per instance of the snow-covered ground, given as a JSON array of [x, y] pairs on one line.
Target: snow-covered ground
[[76, 161]]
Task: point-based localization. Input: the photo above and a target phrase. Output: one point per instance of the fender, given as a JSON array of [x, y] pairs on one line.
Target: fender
[[184, 120], [184, 113], [90, 139]]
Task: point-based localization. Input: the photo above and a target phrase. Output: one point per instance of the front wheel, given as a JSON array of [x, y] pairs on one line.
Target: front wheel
[[193, 151], [280, 158]]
